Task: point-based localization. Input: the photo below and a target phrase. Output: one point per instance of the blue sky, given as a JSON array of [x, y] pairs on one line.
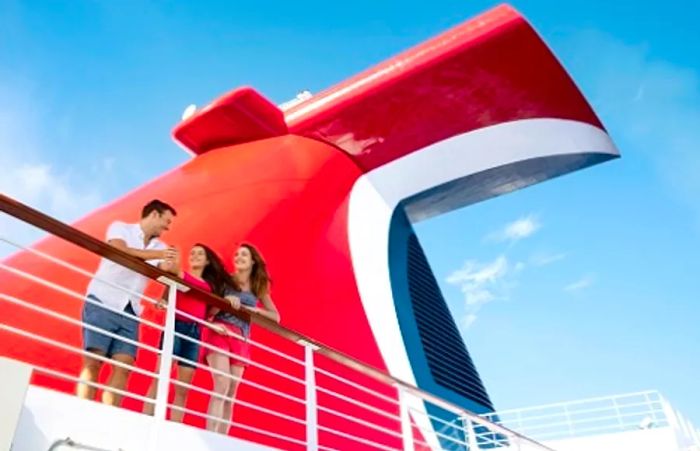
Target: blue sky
[[583, 286]]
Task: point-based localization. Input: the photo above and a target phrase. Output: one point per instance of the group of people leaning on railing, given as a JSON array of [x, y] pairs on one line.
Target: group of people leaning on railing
[[113, 305]]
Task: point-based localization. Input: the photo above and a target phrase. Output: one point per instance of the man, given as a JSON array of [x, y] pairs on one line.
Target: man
[[139, 240]]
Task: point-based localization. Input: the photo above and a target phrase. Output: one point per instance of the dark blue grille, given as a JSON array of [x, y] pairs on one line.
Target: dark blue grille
[[448, 358]]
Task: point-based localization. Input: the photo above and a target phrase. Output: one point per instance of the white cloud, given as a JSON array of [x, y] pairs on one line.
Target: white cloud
[[544, 259], [516, 230], [581, 284], [28, 176], [480, 284], [467, 321]]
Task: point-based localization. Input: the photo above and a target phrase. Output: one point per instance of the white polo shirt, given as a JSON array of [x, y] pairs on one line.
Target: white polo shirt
[[119, 275]]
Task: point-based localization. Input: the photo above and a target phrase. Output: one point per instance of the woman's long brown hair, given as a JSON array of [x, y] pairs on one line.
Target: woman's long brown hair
[[259, 278]]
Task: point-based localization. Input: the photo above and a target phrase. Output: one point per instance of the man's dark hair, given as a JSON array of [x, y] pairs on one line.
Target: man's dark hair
[[156, 205]]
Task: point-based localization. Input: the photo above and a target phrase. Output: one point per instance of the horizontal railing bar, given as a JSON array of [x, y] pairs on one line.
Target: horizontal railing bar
[[565, 432], [564, 422], [75, 350], [77, 269], [68, 319], [241, 380], [240, 425], [249, 361], [237, 401], [434, 418], [581, 401], [420, 442], [359, 404], [440, 434], [62, 375], [357, 386], [566, 413], [246, 339], [356, 439], [76, 295], [359, 421]]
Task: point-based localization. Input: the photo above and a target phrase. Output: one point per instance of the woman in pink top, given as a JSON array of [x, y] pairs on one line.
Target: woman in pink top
[[207, 273]]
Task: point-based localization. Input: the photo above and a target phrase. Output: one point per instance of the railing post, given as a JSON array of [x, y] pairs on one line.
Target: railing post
[[166, 360], [311, 410], [569, 423], [618, 414], [406, 431], [470, 432]]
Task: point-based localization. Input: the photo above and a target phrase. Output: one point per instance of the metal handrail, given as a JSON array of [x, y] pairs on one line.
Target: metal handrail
[[586, 416], [75, 322], [579, 401], [238, 424], [89, 243], [75, 350], [77, 295], [74, 268]]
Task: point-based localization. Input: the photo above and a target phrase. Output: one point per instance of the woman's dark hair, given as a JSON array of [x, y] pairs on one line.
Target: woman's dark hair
[[215, 274]]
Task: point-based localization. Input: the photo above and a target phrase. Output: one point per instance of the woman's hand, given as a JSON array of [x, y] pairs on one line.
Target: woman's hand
[[235, 301]]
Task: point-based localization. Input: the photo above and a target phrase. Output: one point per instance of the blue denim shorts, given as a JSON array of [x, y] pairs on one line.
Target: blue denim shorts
[[110, 321], [182, 348]]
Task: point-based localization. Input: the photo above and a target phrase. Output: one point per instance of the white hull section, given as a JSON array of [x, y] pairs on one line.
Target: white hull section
[[49, 416]]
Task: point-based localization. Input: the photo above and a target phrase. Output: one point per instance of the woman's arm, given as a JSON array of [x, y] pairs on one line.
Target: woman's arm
[[211, 313], [269, 309]]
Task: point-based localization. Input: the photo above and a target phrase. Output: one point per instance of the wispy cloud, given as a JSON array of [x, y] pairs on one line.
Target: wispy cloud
[[544, 259], [480, 283], [27, 174], [517, 230], [580, 284]]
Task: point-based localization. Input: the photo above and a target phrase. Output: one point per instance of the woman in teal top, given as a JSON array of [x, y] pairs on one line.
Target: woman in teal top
[[231, 333]]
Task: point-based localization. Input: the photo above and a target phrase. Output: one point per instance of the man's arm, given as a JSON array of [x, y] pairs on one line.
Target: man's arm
[[142, 254]]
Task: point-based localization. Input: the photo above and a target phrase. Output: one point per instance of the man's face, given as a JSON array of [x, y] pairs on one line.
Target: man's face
[[161, 222]]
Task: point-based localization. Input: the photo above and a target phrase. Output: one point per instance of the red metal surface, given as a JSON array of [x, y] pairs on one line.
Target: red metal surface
[[489, 70], [240, 116]]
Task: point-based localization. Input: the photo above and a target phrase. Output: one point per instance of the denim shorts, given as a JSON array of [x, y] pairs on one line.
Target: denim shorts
[[182, 348], [110, 321]]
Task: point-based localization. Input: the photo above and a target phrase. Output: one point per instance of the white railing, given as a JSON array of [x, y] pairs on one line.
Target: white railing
[[294, 394], [601, 415]]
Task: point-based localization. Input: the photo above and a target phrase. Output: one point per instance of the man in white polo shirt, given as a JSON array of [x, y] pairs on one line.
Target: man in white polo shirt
[[115, 310]]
